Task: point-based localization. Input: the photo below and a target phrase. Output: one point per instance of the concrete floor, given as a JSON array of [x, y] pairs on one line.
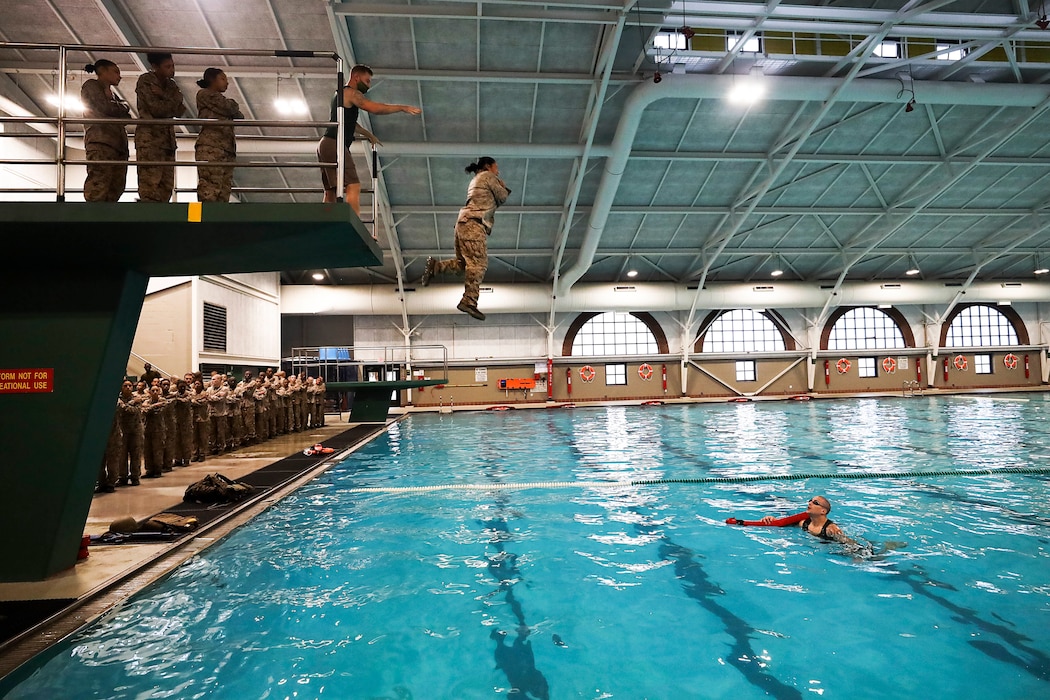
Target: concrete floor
[[109, 563]]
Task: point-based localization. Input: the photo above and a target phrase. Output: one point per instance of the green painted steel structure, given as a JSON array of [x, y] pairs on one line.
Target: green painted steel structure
[[70, 299]]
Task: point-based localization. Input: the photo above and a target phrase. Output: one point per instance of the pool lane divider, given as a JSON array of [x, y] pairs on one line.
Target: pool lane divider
[[512, 486]]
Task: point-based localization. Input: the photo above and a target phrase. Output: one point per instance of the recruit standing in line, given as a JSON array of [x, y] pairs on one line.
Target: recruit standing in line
[[104, 183]]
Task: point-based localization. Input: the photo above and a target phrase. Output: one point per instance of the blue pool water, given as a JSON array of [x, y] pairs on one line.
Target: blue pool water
[[629, 591]]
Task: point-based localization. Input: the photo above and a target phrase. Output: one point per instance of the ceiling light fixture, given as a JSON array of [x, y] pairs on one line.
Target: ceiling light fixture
[[750, 88], [914, 269], [686, 30], [1042, 22], [907, 87], [318, 276], [289, 105], [778, 267]]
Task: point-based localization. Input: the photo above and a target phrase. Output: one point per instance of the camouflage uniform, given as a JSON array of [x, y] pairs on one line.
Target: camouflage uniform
[[215, 144], [157, 142], [219, 419], [320, 393], [183, 405], [201, 423], [171, 434], [104, 183], [485, 193], [262, 417], [233, 410], [155, 429], [131, 427], [246, 391]]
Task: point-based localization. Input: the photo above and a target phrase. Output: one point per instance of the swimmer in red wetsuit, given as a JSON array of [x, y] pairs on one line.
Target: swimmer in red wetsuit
[[817, 522]]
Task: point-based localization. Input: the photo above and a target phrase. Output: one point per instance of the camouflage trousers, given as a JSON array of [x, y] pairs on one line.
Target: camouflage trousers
[[471, 259], [156, 182], [105, 183], [214, 182], [110, 472], [200, 438]]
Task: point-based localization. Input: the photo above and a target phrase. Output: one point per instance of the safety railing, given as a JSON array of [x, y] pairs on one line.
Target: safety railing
[[378, 363], [63, 128], [910, 388]]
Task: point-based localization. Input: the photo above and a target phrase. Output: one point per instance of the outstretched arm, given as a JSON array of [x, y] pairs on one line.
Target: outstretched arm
[[352, 97]]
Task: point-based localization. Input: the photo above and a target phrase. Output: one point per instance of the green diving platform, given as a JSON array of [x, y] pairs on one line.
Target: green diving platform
[[372, 401], [70, 297], [373, 372], [165, 240]]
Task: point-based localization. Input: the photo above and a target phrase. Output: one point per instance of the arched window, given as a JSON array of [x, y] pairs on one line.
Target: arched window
[[615, 333], [742, 330], [980, 325], [866, 328]]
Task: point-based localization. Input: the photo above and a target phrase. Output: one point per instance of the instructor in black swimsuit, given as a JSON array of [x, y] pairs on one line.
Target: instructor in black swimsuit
[[817, 522]]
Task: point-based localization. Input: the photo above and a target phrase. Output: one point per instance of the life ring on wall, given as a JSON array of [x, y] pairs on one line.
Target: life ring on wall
[[587, 373], [960, 363], [1010, 361], [843, 365], [889, 365], [645, 371]]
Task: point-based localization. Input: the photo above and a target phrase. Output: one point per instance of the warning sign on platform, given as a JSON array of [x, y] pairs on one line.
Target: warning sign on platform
[[27, 381]]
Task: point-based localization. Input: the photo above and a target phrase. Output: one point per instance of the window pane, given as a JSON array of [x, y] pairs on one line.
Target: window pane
[[752, 45], [615, 374], [982, 364], [614, 333], [866, 367], [743, 330], [669, 40], [865, 328], [745, 370], [978, 326]]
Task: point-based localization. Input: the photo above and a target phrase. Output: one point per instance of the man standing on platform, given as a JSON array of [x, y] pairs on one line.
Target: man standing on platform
[[328, 149]]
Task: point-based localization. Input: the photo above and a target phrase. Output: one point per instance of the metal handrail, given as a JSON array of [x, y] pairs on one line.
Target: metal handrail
[[62, 122]]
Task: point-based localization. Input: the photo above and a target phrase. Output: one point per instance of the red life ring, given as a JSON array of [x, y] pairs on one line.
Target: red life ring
[[960, 363], [1010, 361], [587, 373], [843, 365], [889, 365], [645, 371]]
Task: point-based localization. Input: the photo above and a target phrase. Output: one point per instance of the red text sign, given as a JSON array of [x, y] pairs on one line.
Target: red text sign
[[27, 381]]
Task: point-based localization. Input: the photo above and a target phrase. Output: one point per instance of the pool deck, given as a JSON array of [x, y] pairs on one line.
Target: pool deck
[[112, 573]]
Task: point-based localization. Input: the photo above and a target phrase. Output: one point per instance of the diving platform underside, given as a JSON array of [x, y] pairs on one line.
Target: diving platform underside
[[70, 299], [165, 240], [372, 399]]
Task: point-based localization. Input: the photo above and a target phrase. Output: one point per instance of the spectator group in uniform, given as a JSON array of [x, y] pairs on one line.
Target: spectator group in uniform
[[163, 423]]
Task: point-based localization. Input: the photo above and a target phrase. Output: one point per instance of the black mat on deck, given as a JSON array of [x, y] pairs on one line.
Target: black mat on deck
[[273, 475]]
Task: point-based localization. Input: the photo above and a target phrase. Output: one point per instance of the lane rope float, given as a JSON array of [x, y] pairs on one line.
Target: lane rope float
[[856, 476]]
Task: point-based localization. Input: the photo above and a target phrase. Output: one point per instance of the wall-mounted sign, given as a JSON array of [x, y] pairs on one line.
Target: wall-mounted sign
[[27, 381], [481, 374]]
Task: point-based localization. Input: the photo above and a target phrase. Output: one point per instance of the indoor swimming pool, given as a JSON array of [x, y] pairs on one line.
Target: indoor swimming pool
[[518, 555]]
